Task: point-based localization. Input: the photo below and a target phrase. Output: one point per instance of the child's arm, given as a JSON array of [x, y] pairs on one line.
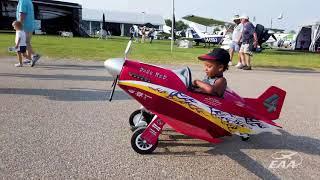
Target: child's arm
[[18, 43], [217, 89]]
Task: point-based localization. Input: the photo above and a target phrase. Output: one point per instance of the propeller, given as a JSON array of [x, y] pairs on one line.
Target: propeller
[[114, 66], [114, 84], [126, 52]]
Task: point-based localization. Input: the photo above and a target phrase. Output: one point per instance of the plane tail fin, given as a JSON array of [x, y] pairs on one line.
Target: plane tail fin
[[196, 33], [268, 106]]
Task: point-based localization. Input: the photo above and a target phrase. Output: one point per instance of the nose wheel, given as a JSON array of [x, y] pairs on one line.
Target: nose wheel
[[140, 145]]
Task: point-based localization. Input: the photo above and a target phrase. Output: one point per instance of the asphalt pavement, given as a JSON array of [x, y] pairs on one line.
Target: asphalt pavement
[[56, 123]]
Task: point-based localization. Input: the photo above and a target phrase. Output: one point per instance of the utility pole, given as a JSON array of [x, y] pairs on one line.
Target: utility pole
[[172, 27], [143, 17]]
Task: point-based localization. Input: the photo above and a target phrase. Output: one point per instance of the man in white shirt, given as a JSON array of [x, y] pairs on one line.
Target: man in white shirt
[[236, 38]]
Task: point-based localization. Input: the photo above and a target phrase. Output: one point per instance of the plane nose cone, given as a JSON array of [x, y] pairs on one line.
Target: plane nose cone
[[114, 66]]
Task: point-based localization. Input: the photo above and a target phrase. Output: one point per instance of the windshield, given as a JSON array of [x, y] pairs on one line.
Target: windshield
[[185, 76]]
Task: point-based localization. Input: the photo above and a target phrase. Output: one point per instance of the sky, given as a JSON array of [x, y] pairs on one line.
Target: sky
[[295, 12]]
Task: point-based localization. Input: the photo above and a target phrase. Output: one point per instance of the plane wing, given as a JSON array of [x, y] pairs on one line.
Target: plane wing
[[206, 21]]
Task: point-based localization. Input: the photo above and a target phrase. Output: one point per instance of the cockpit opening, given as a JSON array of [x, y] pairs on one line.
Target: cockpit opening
[[185, 76]]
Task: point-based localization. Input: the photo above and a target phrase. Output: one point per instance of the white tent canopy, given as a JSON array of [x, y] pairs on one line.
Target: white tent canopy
[[308, 37], [315, 37]]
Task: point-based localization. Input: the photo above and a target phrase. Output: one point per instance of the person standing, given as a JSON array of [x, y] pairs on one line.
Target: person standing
[[132, 32], [248, 41], [20, 42], [143, 34], [151, 34], [236, 39], [136, 33], [25, 14]]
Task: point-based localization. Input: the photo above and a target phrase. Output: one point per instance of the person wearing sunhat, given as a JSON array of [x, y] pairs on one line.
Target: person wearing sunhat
[[215, 63], [249, 40], [236, 39]]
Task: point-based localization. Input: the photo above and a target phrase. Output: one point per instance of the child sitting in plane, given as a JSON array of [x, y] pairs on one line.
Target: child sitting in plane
[[215, 63]]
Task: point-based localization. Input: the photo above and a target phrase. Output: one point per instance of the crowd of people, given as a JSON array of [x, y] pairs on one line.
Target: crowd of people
[[143, 32], [244, 40], [244, 37]]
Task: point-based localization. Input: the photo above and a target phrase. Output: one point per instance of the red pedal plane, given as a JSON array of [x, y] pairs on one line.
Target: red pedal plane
[[168, 98]]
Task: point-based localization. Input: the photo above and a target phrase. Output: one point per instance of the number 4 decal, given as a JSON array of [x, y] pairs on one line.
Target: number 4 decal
[[271, 103]]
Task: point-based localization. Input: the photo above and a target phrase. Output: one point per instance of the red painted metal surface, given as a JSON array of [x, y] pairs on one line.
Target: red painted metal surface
[[182, 119]]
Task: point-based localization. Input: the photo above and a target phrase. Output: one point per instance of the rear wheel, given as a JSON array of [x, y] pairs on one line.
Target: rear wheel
[[245, 137], [135, 118], [140, 145], [140, 115]]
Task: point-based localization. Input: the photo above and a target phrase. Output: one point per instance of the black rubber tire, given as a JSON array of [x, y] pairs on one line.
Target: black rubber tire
[[147, 117], [245, 138], [136, 134], [136, 112]]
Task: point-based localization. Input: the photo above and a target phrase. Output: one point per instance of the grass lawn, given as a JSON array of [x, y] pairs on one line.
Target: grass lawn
[[158, 52]]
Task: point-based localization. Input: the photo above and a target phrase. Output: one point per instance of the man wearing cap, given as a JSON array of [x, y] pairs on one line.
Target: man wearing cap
[[248, 41], [236, 38]]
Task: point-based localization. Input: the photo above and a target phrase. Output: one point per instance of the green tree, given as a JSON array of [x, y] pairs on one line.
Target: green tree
[[216, 29], [292, 32], [180, 25], [168, 22]]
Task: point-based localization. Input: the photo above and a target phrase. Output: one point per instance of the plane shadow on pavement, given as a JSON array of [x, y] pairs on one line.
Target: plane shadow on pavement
[[67, 95], [70, 67], [233, 149], [59, 77], [290, 70]]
